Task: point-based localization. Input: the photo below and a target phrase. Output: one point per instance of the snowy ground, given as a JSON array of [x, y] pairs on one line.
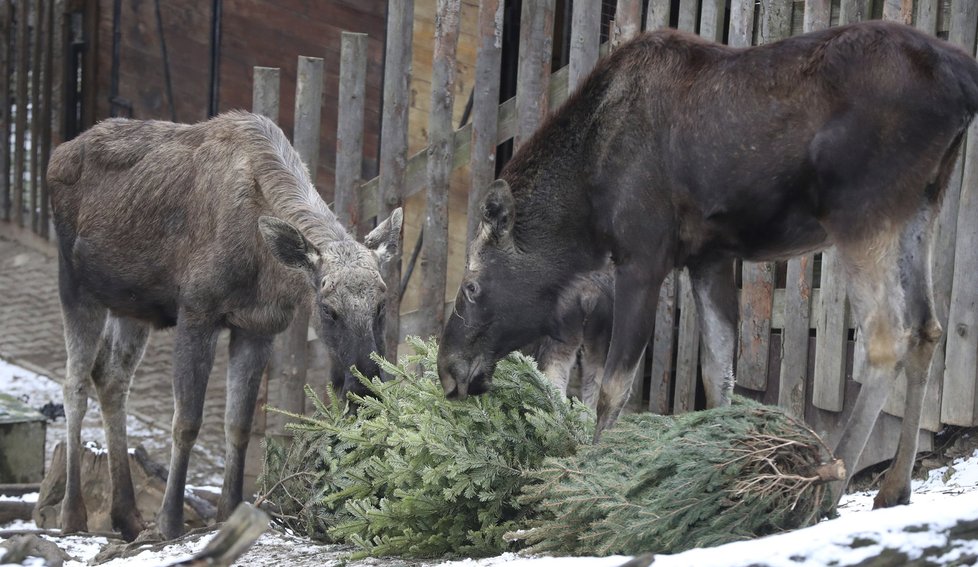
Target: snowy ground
[[949, 493]]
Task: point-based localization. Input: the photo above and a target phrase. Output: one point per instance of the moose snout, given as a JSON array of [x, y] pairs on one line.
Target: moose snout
[[461, 378]]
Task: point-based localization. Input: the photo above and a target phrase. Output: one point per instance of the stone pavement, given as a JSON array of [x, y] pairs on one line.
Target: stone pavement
[[31, 335]]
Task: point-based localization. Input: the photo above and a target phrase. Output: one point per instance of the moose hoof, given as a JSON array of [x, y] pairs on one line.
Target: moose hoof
[[73, 521], [890, 498], [130, 525], [170, 528]]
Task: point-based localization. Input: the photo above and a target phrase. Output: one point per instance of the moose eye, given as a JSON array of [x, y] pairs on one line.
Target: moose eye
[[330, 313], [471, 291]]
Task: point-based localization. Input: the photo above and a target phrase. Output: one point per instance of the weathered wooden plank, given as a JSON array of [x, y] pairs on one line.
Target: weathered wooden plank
[[828, 384], [687, 353], [6, 60], [265, 92], [959, 402], [20, 132], [851, 11], [533, 74], [662, 347], [628, 21], [434, 249], [741, 23], [657, 14], [898, 11], [46, 97], [585, 40], [688, 12], [925, 17], [794, 335], [33, 157], [350, 109], [393, 149], [58, 31], [711, 19], [818, 15], [775, 20], [485, 108]]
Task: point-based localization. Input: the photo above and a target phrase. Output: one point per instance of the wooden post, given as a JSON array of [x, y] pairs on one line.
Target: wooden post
[[393, 148], [898, 11], [265, 92], [485, 108], [798, 289], [434, 249], [5, 67], [265, 101], [687, 15], [349, 128], [533, 74], [662, 347], [687, 353], [741, 23], [585, 40], [628, 21], [958, 400], [21, 119], [852, 11], [926, 16], [657, 15], [58, 33], [47, 96], [756, 299], [35, 122], [711, 19]]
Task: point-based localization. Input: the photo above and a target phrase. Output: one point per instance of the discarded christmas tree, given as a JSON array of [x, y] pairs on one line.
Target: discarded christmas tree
[[415, 475], [667, 484]]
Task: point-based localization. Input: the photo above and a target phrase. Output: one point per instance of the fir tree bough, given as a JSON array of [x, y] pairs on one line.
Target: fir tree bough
[[665, 484], [413, 474]]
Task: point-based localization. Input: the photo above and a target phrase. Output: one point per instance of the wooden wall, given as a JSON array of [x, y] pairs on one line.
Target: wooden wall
[[269, 33]]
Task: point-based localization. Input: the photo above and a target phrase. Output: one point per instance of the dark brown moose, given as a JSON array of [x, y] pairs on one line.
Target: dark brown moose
[[677, 152], [200, 227]]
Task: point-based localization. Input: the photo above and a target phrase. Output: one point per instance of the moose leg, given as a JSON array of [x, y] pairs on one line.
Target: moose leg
[[715, 293], [123, 347], [193, 357], [877, 299], [84, 322], [925, 332], [556, 360], [248, 358], [636, 294]]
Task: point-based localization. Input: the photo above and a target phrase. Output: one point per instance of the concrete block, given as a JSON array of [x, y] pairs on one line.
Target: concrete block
[[22, 431]]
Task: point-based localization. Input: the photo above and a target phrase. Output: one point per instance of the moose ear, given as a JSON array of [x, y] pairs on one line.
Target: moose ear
[[499, 209], [287, 243], [385, 239]]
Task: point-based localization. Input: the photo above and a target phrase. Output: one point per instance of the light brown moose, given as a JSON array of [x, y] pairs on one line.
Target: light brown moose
[[200, 227]]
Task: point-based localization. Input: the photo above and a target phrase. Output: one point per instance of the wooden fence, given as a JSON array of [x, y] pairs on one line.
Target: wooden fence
[[797, 347]]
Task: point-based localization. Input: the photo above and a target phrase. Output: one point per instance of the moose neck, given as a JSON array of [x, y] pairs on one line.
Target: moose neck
[[286, 185]]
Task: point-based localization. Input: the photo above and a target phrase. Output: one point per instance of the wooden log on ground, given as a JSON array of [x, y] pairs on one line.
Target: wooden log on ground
[[434, 249]]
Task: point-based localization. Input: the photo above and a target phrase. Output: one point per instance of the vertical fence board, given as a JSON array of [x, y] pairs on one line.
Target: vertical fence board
[[59, 34], [393, 149], [831, 331], [711, 19], [628, 21], [265, 92], [533, 74], [350, 110], [688, 11], [925, 18], [958, 398], [33, 152], [898, 11], [46, 96], [741, 23], [20, 138], [662, 347], [852, 11], [485, 106], [818, 15], [6, 59], [434, 248], [657, 14], [585, 40], [687, 353]]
